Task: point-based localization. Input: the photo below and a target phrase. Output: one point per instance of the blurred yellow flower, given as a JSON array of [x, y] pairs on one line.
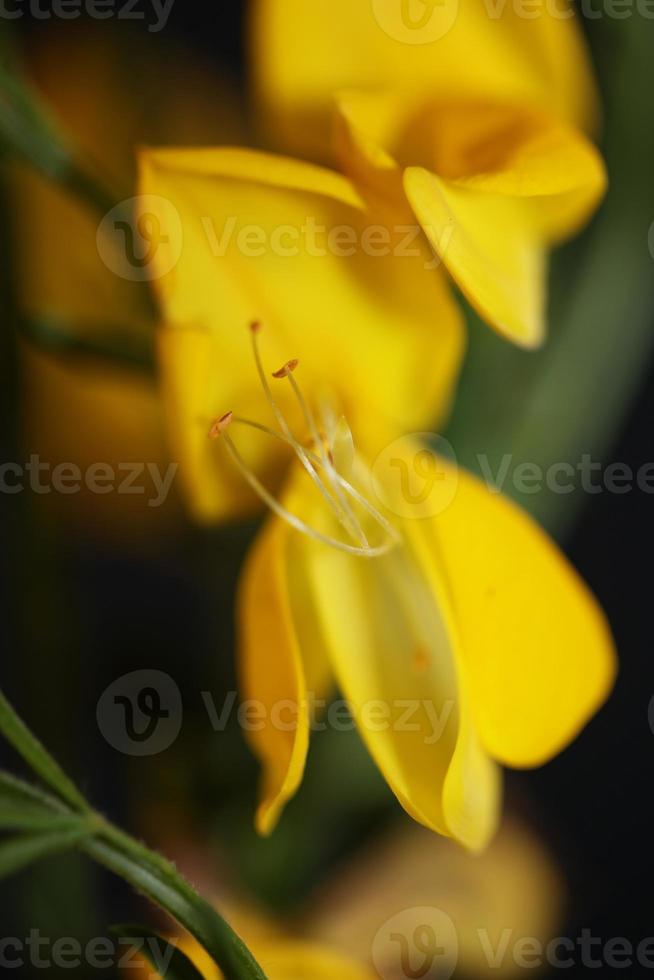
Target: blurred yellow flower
[[407, 877], [374, 904], [457, 632], [280, 959], [84, 410], [247, 236], [302, 54], [475, 132]]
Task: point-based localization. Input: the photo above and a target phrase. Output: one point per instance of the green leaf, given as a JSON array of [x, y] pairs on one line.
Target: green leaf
[[159, 952], [36, 756], [159, 882], [14, 791], [31, 818], [19, 852]]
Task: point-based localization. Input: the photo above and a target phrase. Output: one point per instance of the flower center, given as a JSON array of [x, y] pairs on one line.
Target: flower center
[[321, 462]]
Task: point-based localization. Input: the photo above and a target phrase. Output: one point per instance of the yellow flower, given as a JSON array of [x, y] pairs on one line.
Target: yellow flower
[[248, 236], [459, 635], [407, 879], [281, 959], [378, 902], [83, 410], [476, 132]]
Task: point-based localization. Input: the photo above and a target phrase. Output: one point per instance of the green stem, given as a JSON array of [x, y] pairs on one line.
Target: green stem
[[150, 873], [38, 758], [158, 879]]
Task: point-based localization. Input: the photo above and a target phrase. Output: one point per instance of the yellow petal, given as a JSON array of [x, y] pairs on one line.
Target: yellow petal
[[283, 665], [272, 676], [295, 960], [552, 168], [188, 368], [392, 646], [304, 52], [495, 259], [540, 656], [264, 238], [491, 185]]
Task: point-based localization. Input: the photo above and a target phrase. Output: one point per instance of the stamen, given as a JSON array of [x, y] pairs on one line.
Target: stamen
[[313, 462], [345, 484], [292, 519], [255, 329], [347, 517]]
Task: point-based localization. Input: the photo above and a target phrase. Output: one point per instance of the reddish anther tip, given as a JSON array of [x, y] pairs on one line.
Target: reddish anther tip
[[220, 425], [286, 369], [256, 326]]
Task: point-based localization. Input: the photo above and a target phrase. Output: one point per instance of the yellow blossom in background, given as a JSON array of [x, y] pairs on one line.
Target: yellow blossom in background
[[468, 49], [80, 409], [280, 959], [251, 236], [476, 132], [406, 878], [372, 908]]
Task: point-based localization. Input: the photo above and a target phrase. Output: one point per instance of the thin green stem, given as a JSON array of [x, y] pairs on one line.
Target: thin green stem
[[150, 873], [38, 758], [158, 879]]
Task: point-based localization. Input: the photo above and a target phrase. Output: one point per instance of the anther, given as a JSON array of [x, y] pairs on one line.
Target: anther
[[256, 326], [219, 425], [286, 369]]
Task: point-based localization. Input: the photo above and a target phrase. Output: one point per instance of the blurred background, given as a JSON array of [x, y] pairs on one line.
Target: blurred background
[[95, 587]]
